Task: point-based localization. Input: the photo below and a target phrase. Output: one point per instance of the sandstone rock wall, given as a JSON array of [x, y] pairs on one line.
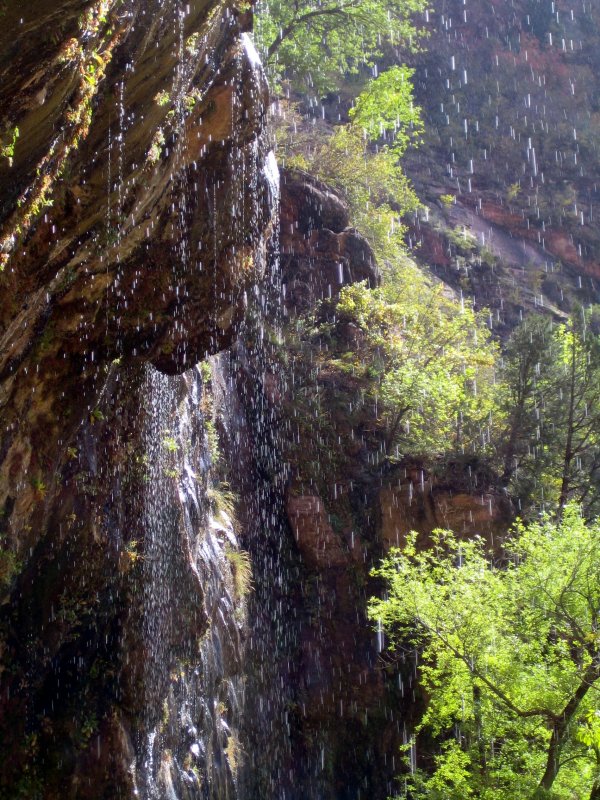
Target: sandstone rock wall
[[509, 97], [137, 205]]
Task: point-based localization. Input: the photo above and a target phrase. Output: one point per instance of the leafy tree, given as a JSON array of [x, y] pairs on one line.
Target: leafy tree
[[429, 363], [527, 360], [509, 660], [315, 44], [386, 107], [371, 181], [374, 186], [576, 431], [551, 447]]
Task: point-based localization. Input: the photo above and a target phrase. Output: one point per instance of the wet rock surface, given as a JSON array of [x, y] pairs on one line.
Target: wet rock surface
[[318, 509], [319, 251], [147, 126], [150, 261], [136, 209]]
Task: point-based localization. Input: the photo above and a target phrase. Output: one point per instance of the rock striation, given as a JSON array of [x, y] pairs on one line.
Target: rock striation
[[138, 199]]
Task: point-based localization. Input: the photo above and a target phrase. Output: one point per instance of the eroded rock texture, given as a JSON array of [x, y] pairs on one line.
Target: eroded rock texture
[[137, 202], [319, 506], [509, 94], [319, 250]]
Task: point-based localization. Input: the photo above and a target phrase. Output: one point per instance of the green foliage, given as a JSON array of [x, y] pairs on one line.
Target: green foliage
[[430, 363], [369, 179], [162, 98], [222, 500], [192, 44], [513, 192], [380, 374], [205, 371], [373, 184], [169, 443], [156, 147], [9, 566], [314, 45], [87, 728], [551, 446], [92, 53], [212, 438], [39, 486], [462, 239], [509, 659], [241, 570], [8, 143], [131, 555], [528, 356], [386, 107]]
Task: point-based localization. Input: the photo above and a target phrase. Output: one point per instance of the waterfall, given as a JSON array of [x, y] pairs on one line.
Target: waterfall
[[192, 615], [191, 620]]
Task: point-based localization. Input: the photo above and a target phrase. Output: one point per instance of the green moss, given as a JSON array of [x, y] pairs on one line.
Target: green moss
[[87, 727], [7, 144], [213, 441], [241, 570], [10, 567], [39, 486], [92, 61], [169, 443]]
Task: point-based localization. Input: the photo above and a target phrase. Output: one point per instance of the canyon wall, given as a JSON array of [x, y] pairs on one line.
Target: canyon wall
[[138, 200], [185, 550]]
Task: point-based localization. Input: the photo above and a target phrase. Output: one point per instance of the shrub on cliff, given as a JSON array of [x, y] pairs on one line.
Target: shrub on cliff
[[361, 160], [428, 363]]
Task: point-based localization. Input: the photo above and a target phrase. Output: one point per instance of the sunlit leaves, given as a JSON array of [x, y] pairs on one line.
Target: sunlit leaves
[[509, 657], [431, 364], [314, 45], [386, 107], [373, 184]]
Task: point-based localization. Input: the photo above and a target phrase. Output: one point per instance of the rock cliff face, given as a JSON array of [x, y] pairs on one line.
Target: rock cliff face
[[509, 167], [319, 251], [318, 508], [150, 240], [509, 173], [137, 205], [136, 226]]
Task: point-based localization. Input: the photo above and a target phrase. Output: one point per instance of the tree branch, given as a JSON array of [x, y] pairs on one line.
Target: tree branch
[[289, 29], [534, 712]]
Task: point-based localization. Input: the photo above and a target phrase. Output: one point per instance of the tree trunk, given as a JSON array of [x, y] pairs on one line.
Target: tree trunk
[[479, 735], [389, 441], [560, 730], [509, 455], [595, 793], [517, 417], [568, 453]]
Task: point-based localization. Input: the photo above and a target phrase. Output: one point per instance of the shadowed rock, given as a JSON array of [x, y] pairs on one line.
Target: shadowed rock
[[137, 206]]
